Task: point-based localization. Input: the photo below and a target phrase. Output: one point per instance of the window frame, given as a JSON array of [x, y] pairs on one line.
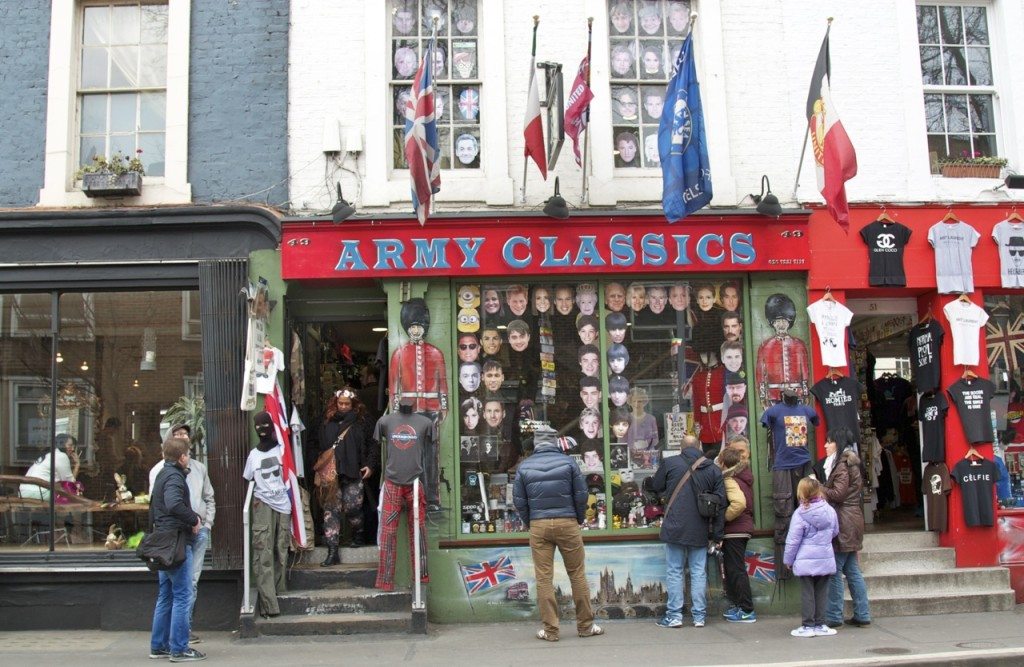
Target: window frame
[[63, 114]]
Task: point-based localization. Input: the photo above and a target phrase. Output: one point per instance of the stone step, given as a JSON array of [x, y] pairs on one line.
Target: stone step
[[916, 539], [346, 575], [938, 602], [343, 601], [365, 555], [336, 624], [995, 579], [900, 561]]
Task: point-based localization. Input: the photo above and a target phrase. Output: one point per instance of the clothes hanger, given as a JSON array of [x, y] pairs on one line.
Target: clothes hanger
[[833, 373], [968, 374], [884, 217], [950, 216], [963, 297], [828, 294], [973, 454], [927, 316], [1014, 216]]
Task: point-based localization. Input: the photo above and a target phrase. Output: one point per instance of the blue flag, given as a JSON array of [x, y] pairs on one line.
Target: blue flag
[[682, 147]]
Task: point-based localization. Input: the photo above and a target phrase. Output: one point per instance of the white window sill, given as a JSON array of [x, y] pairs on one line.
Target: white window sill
[[155, 192]]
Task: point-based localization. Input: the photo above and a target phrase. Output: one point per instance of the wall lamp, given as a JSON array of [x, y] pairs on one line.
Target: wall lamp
[[342, 210], [767, 204]]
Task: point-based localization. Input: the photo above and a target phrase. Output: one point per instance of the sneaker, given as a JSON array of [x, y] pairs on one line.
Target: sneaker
[[803, 631], [834, 624], [824, 631], [193, 638], [670, 623], [188, 655], [698, 624], [857, 623], [730, 611], [158, 653], [740, 616], [594, 631]]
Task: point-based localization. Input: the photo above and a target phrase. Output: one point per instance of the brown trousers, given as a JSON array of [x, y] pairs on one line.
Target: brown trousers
[[545, 535]]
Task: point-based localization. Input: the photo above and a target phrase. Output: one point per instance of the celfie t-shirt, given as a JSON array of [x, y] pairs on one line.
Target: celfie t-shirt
[[403, 436], [931, 411], [924, 341], [885, 242], [1009, 236], [972, 398], [976, 478], [953, 243], [831, 318], [965, 321], [839, 399], [790, 427]]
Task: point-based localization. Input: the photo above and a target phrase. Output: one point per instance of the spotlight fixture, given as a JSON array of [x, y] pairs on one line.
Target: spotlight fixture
[[767, 204], [555, 207], [84, 366], [135, 383], [60, 358], [342, 210], [1014, 181]]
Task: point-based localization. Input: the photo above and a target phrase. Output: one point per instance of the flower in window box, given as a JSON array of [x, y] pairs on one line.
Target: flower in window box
[[119, 176], [972, 166]]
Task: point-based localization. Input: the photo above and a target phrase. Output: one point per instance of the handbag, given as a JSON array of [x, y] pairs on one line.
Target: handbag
[[707, 504], [325, 468], [162, 550]]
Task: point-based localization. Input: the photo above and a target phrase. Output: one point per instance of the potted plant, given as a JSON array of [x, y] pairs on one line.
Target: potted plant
[[972, 166], [189, 410], [120, 176]]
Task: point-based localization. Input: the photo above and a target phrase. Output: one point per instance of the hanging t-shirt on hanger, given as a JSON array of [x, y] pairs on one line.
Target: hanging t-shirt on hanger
[[885, 241], [924, 341], [972, 398], [1009, 236], [966, 319], [831, 318], [790, 429], [936, 485], [839, 399], [977, 478], [953, 243], [931, 411]]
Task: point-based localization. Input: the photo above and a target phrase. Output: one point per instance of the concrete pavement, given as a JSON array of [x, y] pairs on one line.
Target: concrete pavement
[[994, 638]]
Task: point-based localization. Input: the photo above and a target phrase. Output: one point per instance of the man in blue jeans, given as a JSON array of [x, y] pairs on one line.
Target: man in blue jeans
[[684, 531], [170, 510]]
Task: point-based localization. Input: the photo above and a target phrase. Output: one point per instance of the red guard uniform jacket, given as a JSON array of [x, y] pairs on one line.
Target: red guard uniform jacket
[[781, 364], [418, 372], [708, 401]]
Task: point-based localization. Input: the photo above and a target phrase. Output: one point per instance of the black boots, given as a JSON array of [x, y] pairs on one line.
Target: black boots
[[332, 556]]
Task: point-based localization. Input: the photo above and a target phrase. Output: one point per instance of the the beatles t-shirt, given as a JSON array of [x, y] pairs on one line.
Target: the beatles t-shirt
[[831, 319], [790, 427], [1009, 236], [885, 243], [976, 478], [936, 485], [972, 398], [931, 411], [839, 399], [953, 243], [404, 436], [924, 342], [965, 321]]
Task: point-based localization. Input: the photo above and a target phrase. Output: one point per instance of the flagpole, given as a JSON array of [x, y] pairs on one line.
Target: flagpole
[[586, 139], [533, 73], [807, 134], [469, 598]]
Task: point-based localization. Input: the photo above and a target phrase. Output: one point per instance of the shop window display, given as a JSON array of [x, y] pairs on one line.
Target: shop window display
[[1004, 341], [613, 367]]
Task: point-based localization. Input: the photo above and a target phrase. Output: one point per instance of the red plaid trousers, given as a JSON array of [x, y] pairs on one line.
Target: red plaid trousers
[[397, 497]]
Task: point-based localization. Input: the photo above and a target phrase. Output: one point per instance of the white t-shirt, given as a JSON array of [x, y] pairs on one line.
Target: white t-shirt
[[831, 319], [266, 470], [953, 243], [268, 365], [41, 470], [965, 320], [1009, 236]]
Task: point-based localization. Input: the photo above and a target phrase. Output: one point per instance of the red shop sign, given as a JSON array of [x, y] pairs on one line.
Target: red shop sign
[[538, 246]]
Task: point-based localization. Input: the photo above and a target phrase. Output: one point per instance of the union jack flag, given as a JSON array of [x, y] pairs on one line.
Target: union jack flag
[[469, 104], [488, 574], [1005, 343], [422, 150], [761, 566]]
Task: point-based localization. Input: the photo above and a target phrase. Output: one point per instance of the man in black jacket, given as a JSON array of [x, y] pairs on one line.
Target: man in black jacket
[[171, 510], [550, 496], [684, 531]]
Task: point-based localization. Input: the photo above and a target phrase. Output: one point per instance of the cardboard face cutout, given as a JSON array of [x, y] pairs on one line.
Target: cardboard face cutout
[[469, 320]]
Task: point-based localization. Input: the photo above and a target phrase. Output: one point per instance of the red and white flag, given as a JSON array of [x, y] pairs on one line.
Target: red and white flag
[[577, 110], [275, 407], [834, 156], [533, 129]]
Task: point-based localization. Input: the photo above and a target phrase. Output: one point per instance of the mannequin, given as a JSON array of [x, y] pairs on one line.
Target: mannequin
[[405, 435]]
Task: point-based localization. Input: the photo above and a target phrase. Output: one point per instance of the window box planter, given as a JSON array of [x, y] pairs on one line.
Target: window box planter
[[112, 185], [971, 170]]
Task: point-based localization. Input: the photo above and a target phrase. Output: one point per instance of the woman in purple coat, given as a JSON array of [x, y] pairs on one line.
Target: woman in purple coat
[[809, 554]]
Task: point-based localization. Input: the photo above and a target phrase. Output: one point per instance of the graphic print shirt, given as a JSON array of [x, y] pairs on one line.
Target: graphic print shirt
[[936, 485], [924, 342], [976, 479], [831, 319], [953, 243], [885, 242], [965, 321], [972, 399], [1009, 236], [839, 399], [403, 437], [931, 411], [265, 469], [790, 427]]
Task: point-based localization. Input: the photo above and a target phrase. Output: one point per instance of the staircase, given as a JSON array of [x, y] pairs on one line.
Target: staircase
[[909, 574], [338, 600]]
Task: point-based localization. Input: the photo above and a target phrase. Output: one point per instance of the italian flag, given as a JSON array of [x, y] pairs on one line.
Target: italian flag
[[834, 157]]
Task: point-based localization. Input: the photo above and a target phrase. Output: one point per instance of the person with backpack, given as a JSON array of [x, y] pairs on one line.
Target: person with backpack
[[739, 523]]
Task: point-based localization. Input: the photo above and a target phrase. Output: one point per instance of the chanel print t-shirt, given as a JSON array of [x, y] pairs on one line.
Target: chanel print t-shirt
[[1009, 236], [831, 318], [936, 485], [885, 243], [976, 478], [924, 342], [931, 411], [790, 428], [972, 398], [953, 243], [966, 319], [839, 399]]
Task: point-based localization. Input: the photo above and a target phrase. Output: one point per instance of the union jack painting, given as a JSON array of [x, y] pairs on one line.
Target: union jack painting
[[761, 566], [488, 574], [1005, 343]]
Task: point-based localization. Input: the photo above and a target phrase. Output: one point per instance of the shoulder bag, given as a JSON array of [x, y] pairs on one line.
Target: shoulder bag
[[161, 549], [682, 482], [325, 467]]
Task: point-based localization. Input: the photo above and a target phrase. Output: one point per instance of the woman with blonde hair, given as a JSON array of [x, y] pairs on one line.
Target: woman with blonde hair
[[809, 554]]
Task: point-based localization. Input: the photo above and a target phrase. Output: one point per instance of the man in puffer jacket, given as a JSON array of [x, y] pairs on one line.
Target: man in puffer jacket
[[739, 523], [550, 496], [684, 531]]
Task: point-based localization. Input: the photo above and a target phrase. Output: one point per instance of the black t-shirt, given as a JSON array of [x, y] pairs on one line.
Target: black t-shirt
[[931, 411], [935, 486], [885, 243], [976, 479], [972, 399], [839, 399], [924, 342]]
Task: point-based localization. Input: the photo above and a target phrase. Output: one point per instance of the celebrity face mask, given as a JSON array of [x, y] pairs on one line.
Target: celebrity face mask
[[490, 341], [563, 301]]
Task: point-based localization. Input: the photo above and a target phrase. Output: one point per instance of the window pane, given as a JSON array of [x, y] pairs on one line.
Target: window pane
[[620, 19], [678, 21], [976, 25], [468, 109], [463, 18], [123, 112], [985, 144], [652, 60], [95, 25], [124, 24], [402, 96], [649, 20], [89, 147], [124, 67], [444, 145], [398, 150], [154, 24], [653, 98], [927, 25], [623, 59], [94, 67], [94, 114], [937, 145], [979, 59], [440, 64], [152, 145], [651, 147], [435, 9], [404, 59], [982, 115], [934, 118], [952, 30], [153, 112], [960, 145], [464, 57], [625, 106], [467, 149], [443, 111], [123, 144], [956, 113], [627, 147], [931, 66], [955, 66], [153, 66]]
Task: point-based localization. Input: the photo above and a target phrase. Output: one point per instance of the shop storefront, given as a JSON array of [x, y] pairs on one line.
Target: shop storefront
[[622, 332], [956, 338], [112, 324]]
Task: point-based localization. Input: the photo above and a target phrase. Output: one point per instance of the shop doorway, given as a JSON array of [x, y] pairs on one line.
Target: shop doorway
[[889, 435]]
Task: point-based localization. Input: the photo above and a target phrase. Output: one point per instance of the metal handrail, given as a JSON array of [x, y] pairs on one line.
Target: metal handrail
[[417, 600], [247, 604]]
